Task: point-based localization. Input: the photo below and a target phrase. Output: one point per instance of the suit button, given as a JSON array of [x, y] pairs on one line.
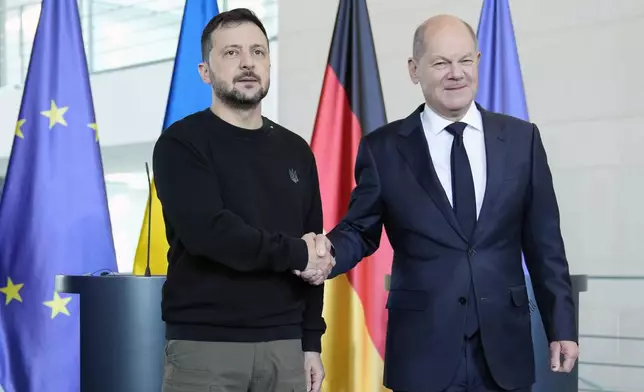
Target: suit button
[[462, 300], [471, 252]]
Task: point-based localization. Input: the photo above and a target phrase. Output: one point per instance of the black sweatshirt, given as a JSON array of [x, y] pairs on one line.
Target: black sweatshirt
[[236, 203]]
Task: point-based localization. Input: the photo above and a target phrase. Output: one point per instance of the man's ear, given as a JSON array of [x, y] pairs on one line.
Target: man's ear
[[203, 72], [412, 66]]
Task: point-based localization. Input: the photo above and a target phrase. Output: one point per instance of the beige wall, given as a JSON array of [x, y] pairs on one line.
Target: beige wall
[[581, 62]]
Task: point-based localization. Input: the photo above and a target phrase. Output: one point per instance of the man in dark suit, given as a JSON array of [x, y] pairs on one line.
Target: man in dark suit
[[461, 192]]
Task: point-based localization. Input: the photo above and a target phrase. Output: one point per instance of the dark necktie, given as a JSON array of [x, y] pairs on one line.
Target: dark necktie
[[463, 196], [464, 201]]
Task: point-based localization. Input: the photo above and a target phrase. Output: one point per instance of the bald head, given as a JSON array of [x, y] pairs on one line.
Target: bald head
[[445, 64], [440, 23]]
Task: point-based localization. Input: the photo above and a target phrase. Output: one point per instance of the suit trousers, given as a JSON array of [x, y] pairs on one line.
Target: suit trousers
[[472, 373], [192, 366]]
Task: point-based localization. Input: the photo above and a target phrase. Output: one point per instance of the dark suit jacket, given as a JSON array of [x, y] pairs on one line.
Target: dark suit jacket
[[433, 262]]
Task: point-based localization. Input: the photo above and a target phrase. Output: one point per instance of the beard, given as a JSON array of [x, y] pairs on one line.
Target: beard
[[235, 98]]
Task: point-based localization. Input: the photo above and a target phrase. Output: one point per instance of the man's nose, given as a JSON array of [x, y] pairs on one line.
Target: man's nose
[[246, 61], [456, 72]]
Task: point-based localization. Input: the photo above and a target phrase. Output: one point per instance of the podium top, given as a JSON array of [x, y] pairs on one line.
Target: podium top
[[579, 283], [77, 284]]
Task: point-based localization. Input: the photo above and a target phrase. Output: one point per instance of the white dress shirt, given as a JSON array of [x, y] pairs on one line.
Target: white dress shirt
[[440, 148]]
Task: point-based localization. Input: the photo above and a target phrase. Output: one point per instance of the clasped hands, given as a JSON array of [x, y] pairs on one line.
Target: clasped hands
[[320, 261]]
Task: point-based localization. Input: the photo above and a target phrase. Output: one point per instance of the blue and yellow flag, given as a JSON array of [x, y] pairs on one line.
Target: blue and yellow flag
[[53, 213], [188, 94]]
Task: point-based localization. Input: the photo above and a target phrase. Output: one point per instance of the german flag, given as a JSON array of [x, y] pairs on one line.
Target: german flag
[[351, 105]]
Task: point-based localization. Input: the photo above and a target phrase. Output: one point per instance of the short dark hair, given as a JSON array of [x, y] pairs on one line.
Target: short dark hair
[[232, 17]]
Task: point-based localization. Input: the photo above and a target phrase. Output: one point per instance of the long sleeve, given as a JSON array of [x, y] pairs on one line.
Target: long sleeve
[[189, 193], [544, 251], [314, 325], [358, 234]]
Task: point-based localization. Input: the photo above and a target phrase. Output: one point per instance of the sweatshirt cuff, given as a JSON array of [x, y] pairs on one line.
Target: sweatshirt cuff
[[299, 256], [312, 341]]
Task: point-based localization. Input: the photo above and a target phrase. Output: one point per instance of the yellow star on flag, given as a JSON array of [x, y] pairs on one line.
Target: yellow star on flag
[[11, 291], [18, 128], [55, 114], [94, 126], [58, 305]]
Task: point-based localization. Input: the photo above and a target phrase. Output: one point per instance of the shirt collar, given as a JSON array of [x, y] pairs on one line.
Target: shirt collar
[[437, 123]]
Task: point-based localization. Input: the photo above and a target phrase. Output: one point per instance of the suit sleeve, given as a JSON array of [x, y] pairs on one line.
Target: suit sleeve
[[191, 199], [358, 234], [314, 325], [544, 251]]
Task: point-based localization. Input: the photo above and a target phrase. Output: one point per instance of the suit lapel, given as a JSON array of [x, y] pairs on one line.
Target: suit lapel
[[412, 145], [495, 151]]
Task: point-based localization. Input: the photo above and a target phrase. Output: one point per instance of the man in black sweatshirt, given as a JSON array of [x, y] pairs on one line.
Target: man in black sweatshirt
[[239, 195]]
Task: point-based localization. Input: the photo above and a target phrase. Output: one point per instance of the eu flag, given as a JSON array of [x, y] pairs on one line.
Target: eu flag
[[501, 90], [53, 213], [501, 85]]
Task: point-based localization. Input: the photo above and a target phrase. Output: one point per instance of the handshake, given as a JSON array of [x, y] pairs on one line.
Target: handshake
[[320, 260]]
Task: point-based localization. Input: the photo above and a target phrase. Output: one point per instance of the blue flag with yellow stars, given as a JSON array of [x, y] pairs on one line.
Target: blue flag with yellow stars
[[53, 213]]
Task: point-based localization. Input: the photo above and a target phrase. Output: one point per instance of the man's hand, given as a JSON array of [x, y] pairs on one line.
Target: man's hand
[[320, 260], [314, 371], [322, 245], [570, 352]]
